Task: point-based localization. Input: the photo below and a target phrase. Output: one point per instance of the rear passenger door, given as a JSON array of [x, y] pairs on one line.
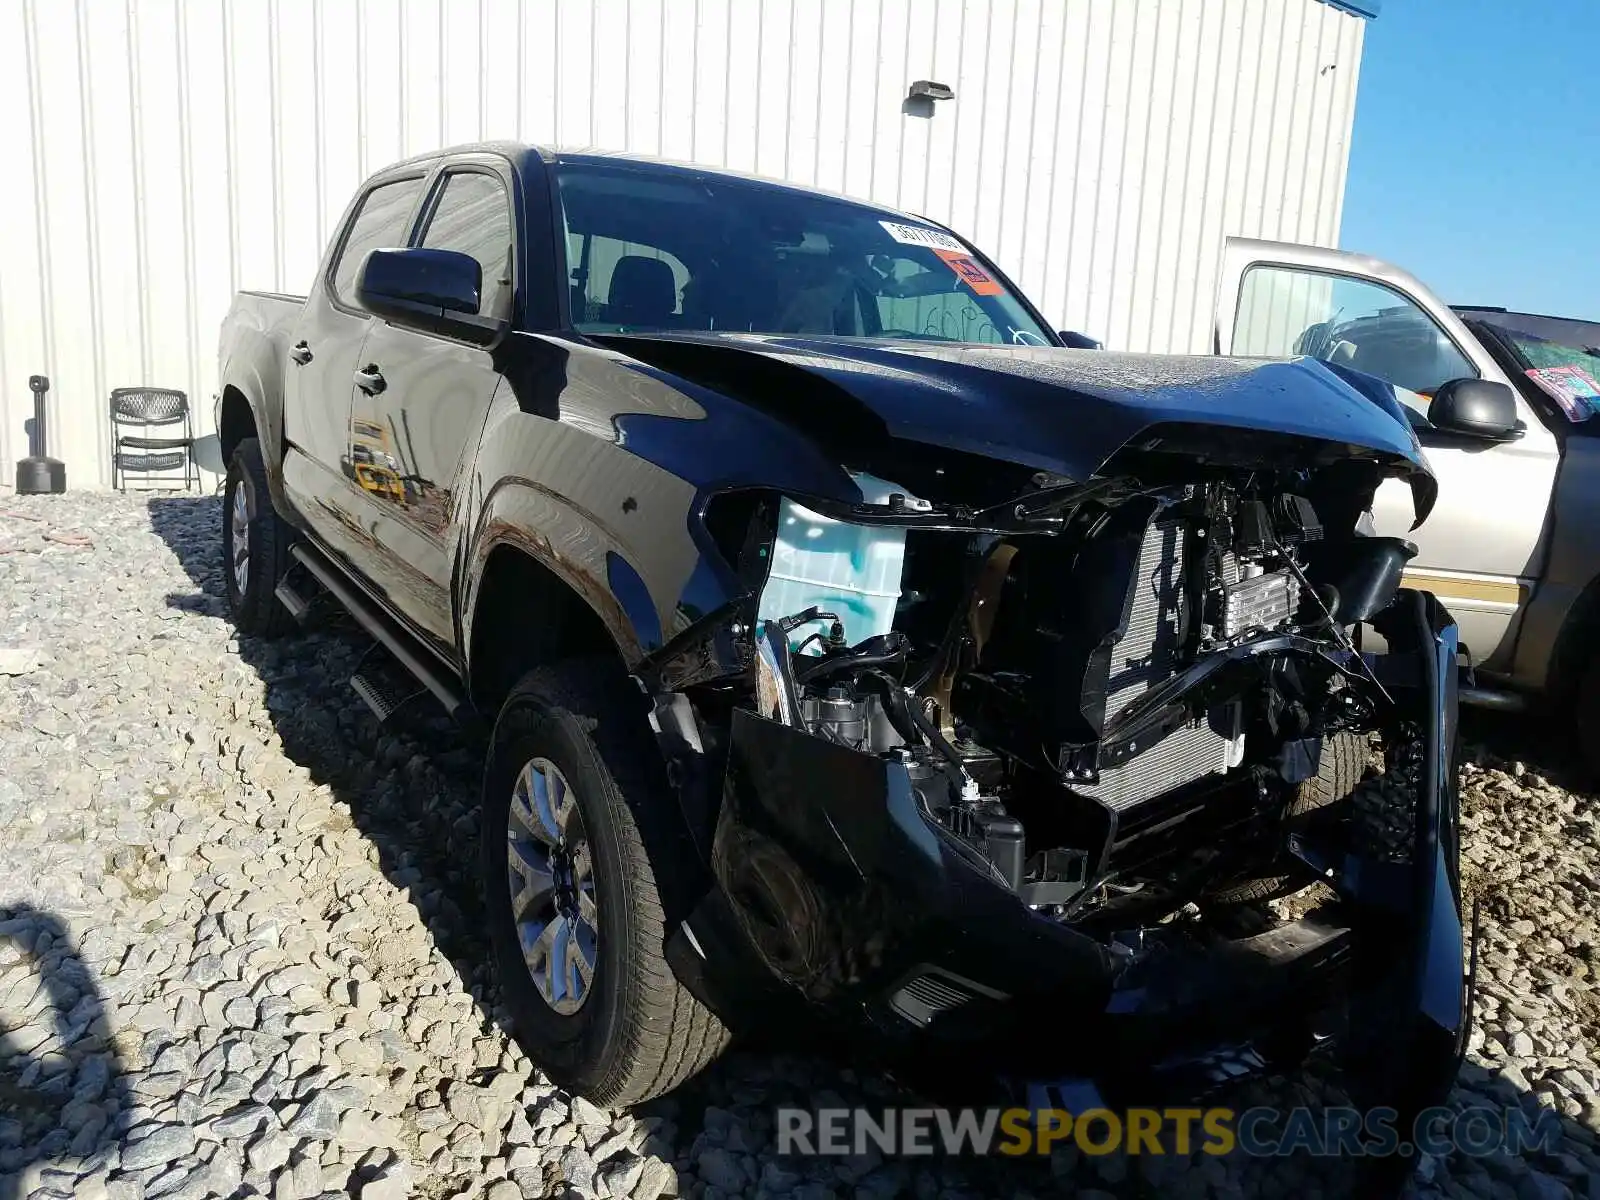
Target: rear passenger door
[[324, 347], [421, 400]]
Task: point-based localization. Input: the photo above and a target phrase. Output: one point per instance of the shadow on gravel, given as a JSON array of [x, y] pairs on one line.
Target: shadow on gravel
[[62, 1093], [1508, 739], [411, 786]]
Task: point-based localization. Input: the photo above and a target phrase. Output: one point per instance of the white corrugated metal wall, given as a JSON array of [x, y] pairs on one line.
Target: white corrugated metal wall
[[163, 153]]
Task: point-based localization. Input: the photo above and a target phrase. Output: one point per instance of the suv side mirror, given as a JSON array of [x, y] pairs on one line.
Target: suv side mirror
[[436, 291], [1476, 408], [1078, 341]]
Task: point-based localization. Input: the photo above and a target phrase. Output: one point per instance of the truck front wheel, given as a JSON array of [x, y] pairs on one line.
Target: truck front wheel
[[584, 858], [255, 546]]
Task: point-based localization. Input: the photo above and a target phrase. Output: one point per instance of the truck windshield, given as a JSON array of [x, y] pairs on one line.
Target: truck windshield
[[669, 251]]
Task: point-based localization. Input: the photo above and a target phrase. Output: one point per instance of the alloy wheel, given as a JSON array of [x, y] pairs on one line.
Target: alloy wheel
[[239, 526], [551, 882]]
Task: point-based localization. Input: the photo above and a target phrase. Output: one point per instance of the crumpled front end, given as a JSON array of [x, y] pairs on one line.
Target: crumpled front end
[[838, 893], [1020, 771]]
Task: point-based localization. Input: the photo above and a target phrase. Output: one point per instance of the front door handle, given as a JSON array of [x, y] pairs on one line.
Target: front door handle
[[370, 380], [301, 353]]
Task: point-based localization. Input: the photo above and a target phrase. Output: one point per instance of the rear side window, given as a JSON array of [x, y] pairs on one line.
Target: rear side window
[[473, 216], [382, 220]]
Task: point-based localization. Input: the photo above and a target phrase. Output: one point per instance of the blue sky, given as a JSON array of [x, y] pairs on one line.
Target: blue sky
[[1475, 163]]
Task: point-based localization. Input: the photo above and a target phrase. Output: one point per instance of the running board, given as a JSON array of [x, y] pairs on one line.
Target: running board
[[370, 618], [296, 605], [383, 700]]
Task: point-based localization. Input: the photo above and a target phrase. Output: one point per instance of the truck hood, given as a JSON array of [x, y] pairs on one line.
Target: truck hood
[[1068, 412]]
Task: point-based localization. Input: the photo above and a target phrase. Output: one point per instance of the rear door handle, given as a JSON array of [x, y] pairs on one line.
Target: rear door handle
[[301, 353], [370, 380]]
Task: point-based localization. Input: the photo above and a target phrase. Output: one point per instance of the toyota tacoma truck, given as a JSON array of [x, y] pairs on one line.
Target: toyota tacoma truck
[[856, 653]]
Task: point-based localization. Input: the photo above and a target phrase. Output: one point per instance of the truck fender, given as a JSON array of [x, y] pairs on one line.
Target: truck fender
[[253, 375], [576, 550]]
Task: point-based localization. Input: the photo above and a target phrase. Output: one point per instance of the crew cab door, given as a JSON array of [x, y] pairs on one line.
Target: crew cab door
[[325, 345], [420, 402], [1482, 549]]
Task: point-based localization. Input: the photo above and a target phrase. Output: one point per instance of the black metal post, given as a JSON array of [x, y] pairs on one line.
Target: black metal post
[[39, 385], [39, 473]]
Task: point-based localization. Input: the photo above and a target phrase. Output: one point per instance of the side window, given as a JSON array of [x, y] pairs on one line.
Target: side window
[[928, 303], [473, 216], [382, 220], [1353, 322]]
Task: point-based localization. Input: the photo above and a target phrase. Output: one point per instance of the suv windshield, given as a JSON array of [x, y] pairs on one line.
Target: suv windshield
[[1567, 370], [672, 250]]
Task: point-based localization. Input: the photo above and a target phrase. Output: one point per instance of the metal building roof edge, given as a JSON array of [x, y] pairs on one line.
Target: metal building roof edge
[[1361, 8]]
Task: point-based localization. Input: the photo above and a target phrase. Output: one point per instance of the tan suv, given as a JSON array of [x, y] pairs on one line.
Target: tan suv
[[1513, 546]]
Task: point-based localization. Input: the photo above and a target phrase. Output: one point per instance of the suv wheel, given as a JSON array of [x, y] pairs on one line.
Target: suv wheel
[[584, 857], [255, 545]]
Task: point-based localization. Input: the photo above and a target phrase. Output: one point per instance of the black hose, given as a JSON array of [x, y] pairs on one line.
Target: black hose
[[834, 663], [901, 709], [903, 725]]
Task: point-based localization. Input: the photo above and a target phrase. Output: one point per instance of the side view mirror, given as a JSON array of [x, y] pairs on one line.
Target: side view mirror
[[435, 291], [1476, 408], [1079, 341]]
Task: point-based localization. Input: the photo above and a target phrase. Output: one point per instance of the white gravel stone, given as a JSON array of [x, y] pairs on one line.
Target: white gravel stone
[[160, 1146]]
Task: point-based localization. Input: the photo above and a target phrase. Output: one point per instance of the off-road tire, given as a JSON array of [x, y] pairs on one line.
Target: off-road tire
[[256, 609], [1339, 772], [639, 1032]]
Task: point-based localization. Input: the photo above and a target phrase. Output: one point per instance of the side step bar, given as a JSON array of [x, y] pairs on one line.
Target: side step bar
[[296, 605], [381, 699], [373, 621]]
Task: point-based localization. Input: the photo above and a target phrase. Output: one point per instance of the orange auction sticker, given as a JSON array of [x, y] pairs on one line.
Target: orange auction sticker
[[970, 273]]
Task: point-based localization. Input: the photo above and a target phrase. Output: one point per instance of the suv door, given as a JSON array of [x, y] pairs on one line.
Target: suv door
[[421, 400], [325, 345], [1482, 549]]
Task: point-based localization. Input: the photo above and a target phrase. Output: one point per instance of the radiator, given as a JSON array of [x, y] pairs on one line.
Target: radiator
[[1146, 655]]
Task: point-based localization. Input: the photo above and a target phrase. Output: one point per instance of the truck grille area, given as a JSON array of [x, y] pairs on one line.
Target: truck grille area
[[1190, 753], [1145, 655]]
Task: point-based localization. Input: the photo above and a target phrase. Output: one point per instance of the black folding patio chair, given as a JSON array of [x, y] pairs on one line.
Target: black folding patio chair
[[153, 459]]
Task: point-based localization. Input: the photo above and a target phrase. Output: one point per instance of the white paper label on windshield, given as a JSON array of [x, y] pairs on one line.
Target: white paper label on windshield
[[921, 235]]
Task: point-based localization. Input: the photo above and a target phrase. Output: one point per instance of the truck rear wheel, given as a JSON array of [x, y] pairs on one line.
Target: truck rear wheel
[[255, 546], [584, 862]]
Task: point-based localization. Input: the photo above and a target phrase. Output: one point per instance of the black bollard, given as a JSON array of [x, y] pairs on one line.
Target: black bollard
[[39, 474]]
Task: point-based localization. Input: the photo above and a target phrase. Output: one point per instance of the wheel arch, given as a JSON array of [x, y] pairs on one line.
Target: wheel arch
[[524, 613], [1574, 643], [236, 420], [240, 415]]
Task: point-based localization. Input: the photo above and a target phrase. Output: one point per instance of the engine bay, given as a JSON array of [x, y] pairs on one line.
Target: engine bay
[[1106, 694]]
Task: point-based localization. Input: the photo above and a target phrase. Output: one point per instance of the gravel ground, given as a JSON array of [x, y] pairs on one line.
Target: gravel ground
[[240, 954]]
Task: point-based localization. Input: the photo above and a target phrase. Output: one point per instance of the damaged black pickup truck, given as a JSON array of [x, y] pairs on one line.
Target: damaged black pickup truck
[[852, 647]]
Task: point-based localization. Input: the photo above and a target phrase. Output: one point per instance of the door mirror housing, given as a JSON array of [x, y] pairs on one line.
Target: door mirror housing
[[1078, 341], [435, 291], [1476, 408]]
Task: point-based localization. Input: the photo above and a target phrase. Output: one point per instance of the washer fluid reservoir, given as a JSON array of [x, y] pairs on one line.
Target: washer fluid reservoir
[[851, 570]]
